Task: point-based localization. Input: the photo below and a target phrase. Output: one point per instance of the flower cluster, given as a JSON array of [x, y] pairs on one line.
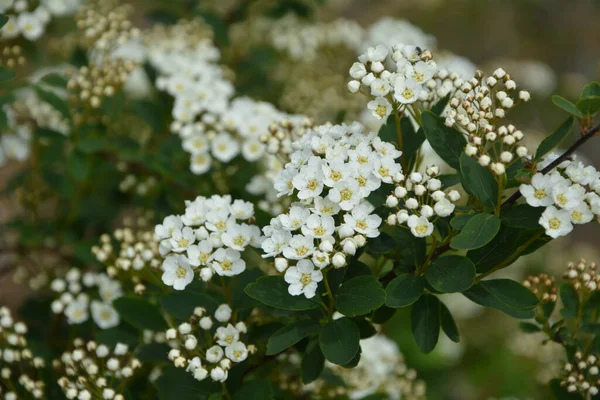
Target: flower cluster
[[17, 358], [14, 143], [418, 200], [581, 376], [413, 78], [543, 286], [128, 253], [204, 348], [583, 275], [30, 106], [208, 237], [12, 56], [75, 300], [570, 194], [30, 18], [332, 174], [476, 110], [94, 371]]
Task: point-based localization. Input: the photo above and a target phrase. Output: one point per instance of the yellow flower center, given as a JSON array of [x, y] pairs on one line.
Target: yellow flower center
[[554, 223], [362, 159], [305, 279], [362, 181], [408, 93], [226, 265], [421, 229], [239, 241], [301, 251], [229, 339], [577, 216], [237, 354], [361, 224], [221, 225], [562, 199], [183, 242], [105, 315], [335, 175], [312, 184], [384, 171], [381, 110], [319, 231], [198, 143], [346, 194], [419, 77], [180, 272], [222, 147], [203, 258], [539, 194], [327, 210]]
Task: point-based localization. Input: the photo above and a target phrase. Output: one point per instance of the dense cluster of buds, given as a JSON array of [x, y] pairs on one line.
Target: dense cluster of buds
[[476, 110], [583, 275], [12, 56], [418, 200], [209, 347], [570, 194], [16, 359], [581, 376], [94, 371], [106, 24], [543, 286]]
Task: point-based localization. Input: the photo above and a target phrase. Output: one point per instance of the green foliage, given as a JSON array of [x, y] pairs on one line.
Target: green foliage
[[478, 181], [6, 74], [339, 341], [273, 291], [55, 101], [554, 139], [505, 295], [450, 274], [522, 216], [425, 322], [359, 296], [567, 106], [181, 304], [570, 301], [447, 142], [448, 324], [404, 290], [140, 313], [291, 334], [313, 362], [477, 232]]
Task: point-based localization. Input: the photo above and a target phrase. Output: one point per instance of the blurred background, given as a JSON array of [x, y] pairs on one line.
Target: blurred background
[[548, 46]]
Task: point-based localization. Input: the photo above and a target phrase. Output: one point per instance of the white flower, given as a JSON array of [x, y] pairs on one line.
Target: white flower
[[443, 208], [104, 315], [367, 181], [218, 374], [253, 149], [197, 144], [228, 262], [241, 209], [358, 70], [237, 236], [419, 226], [295, 219], [335, 171], [228, 335], [299, 247], [581, 214], [407, 91], [324, 206], [283, 183], [539, 193], [309, 182], [237, 352], [303, 279], [200, 254], [223, 313], [77, 312], [421, 72], [30, 25], [362, 221], [181, 239], [385, 168], [214, 354], [200, 163], [556, 222], [274, 245], [318, 226], [346, 194], [568, 197], [578, 173], [225, 147], [169, 224], [380, 107], [177, 272]]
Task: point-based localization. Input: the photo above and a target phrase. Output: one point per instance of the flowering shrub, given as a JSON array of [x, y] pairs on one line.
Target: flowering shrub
[[191, 235]]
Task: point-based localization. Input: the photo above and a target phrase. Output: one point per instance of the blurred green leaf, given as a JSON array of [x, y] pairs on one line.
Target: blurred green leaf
[[140, 313], [257, 389], [554, 139], [450, 274], [591, 89], [78, 165], [56, 102], [529, 327], [459, 221], [522, 216], [291, 334], [6, 74], [567, 106], [570, 301], [448, 324], [313, 362], [589, 105], [181, 304], [55, 79]]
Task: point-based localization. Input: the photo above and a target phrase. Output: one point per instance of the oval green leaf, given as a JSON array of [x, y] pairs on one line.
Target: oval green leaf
[[451, 274], [339, 341], [140, 313], [555, 138], [404, 290], [291, 334], [447, 142], [567, 106], [359, 296], [425, 322], [273, 291], [478, 181], [477, 232]]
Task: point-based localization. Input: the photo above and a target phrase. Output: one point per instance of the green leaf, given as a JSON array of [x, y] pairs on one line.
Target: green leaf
[[589, 105], [449, 180], [258, 389], [118, 334], [55, 79], [181, 304], [56, 102], [404, 290], [3, 20], [591, 89], [151, 114], [459, 221], [6, 74], [382, 315], [291, 334], [78, 165], [387, 132], [448, 324], [438, 108], [273, 291], [450, 274], [511, 293], [560, 392], [447, 142], [359, 296], [528, 327], [413, 250], [478, 181], [412, 140], [570, 301], [365, 328], [140, 313], [425, 322], [477, 232], [381, 244], [355, 360], [480, 294], [522, 216], [339, 341], [313, 362], [554, 139], [567, 106], [177, 383]]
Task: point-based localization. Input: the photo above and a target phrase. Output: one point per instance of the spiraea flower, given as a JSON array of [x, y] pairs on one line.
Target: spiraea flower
[[90, 369], [570, 193], [208, 238], [331, 174], [17, 362], [418, 200], [209, 346], [477, 109], [581, 376], [543, 286], [583, 275]]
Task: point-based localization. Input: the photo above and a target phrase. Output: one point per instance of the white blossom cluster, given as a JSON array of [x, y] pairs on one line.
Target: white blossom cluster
[[41, 113], [77, 298], [418, 200], [95, 371], [29, 18], [476, 110], [17, 358], [127, 252], [331, 175], [398, 79], [14, 143], [570, 194], [583, 275], [209, 237], [205, 348], [581, 376]]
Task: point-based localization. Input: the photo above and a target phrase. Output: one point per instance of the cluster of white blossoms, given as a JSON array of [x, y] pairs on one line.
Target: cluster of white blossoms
[[29, 18], [583, 275], [77, 298], [418, 200], [127, 252], [334, 170], [398, 79], [17, 358], [15, 142], [95, 371], [476, 110], [209, 237], [570, 193], [581, 376], [205, 348], [30, 106]]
